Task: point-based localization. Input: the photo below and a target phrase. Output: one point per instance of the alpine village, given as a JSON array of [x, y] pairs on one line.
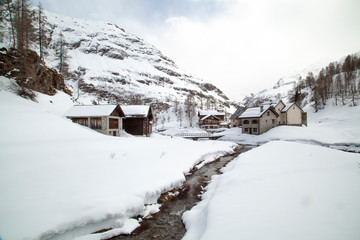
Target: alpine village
[[102, 136]]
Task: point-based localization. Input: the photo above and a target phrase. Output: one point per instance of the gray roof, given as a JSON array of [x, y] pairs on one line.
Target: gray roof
[[238, 112]]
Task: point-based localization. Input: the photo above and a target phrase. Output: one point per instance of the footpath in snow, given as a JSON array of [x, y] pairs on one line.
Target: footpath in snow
[[281, 190], [60, 180]]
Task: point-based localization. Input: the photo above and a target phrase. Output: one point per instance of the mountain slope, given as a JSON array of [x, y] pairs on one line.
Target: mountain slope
[[108, 64]]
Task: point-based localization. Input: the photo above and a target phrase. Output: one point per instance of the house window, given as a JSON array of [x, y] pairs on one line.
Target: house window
[[246, 129], [95, 123], [81, 121], [254, 121], [255, 130], [246, 122], [273, 121], [268, 113], [113, 123]]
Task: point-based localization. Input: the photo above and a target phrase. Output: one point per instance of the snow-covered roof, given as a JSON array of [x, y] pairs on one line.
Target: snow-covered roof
[[238, 112], [207, 116], [211, 112], [288, 105], [135, 110], [90, 110], [286, 108], [254, 112]]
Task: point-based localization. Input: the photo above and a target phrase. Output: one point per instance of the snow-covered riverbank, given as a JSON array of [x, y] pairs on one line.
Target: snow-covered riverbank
[[61, 180], [281, 190]]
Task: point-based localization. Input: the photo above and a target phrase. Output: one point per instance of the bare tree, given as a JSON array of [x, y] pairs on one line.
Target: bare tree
[[62, 57], [23, 25], [190, 108], [41, 32]]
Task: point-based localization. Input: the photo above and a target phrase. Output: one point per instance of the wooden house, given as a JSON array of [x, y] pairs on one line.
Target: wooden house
[[258, 120], [106, 119], [210, 119], [138, 119]]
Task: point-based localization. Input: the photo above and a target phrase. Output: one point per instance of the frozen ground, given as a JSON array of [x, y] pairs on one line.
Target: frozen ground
[[289, 189], [336, 127], [281, 190], [59, 180]]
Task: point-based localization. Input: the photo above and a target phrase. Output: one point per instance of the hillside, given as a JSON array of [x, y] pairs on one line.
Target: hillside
[[107, 64], [334, 83]]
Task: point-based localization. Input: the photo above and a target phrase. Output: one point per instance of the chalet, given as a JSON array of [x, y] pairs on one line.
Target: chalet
[[106, 119], [234, 119], [210, 119], [258, 120], [138, 119]]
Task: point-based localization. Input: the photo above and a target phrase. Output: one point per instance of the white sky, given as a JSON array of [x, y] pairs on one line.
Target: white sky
[[241, 46]]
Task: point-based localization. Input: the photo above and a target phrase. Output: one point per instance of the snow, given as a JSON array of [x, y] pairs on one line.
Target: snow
[[252, 112], [60, 180], [281, 190], [335, 125], [211, 112], [135, 110], [90, 110]]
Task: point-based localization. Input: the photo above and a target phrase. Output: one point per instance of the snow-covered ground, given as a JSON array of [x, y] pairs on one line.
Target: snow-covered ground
[[290, 189], [59, 180], [281, 190], [335, 125]]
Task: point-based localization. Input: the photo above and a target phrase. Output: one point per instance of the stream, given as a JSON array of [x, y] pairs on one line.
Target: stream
[[167, 224]]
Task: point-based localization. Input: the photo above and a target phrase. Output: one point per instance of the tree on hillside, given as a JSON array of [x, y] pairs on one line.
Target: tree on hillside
[[62, 57], [41, 32], [7, 12], [23, 25], [190, 105]]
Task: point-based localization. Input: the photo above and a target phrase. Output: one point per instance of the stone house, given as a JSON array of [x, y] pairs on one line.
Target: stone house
[[106, 119], [234, 119], [293, 115], [258, 120]]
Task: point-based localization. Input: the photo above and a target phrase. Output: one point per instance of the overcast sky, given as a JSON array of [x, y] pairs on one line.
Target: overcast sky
[[241, 46]]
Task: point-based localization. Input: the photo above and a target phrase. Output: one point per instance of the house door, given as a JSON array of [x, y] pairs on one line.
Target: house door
[[250, 130], [114, 133]]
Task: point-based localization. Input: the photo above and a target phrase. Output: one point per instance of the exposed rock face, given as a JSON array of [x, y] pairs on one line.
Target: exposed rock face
[[110, 65], [30, 71]]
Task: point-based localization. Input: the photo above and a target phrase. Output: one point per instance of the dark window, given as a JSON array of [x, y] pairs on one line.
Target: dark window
[[268, 113], [254, 121], [113, 123], [81, 121], [246, 129], [246, 122], [95, 123], [255, 130], [273, 121]]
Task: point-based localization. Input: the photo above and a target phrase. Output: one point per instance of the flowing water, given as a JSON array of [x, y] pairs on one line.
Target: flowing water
[[167, 224]]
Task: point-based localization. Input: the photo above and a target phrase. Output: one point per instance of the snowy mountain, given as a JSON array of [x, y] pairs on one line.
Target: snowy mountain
[[315, 84], [107, 64]]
